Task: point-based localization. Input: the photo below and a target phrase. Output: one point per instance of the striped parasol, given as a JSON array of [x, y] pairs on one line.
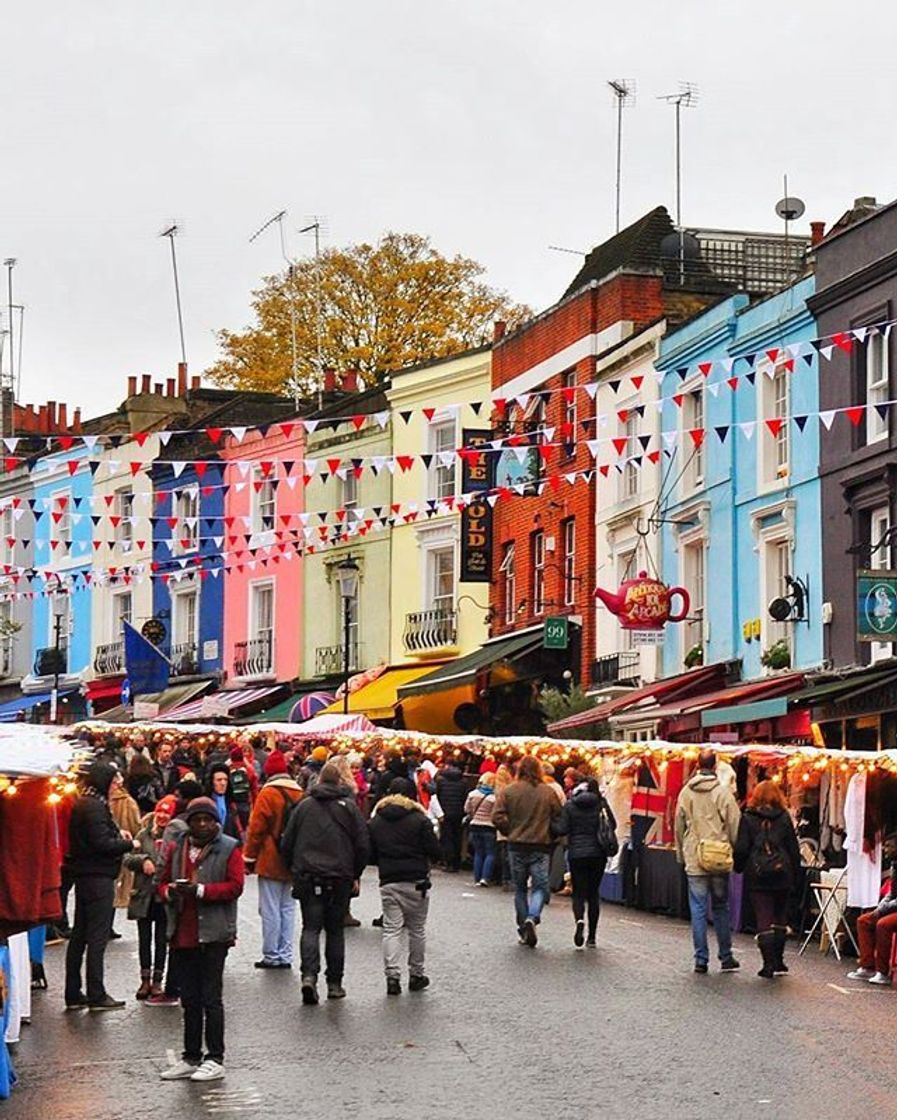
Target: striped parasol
[[309, 706]]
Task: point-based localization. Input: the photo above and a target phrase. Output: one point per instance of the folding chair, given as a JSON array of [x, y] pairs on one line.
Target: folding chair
[[831, 898]]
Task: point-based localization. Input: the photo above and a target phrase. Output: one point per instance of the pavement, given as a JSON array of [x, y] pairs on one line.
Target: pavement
[[505, 1032]]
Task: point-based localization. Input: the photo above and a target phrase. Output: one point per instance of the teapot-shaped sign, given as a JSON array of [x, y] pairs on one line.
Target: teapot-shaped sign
[[645, 603]]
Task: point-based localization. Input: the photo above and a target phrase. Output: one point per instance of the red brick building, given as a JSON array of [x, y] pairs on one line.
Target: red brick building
[[544, 527]]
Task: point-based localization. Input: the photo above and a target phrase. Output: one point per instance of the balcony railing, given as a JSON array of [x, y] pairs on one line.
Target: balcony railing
[[50, 661], [617, 668], [329, 660], [254, 658], [109, 659], [185, 659], [427, 631]]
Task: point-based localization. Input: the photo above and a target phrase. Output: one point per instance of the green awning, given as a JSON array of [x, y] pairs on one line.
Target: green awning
[[827, 692], [464, 670], [280, 713], [745, 713]]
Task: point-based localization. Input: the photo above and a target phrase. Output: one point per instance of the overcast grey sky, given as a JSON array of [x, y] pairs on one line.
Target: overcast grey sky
[[484, 123]]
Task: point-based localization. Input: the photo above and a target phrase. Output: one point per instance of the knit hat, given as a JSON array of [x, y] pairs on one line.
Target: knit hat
[[275, 764], [320, 754], [201, 805], [167, 804], [236, 754], [100, 776], [401, 787]]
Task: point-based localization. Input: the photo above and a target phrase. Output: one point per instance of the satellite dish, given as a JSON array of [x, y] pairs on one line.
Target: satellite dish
[[790, 209], [680, 244], [780, 609]]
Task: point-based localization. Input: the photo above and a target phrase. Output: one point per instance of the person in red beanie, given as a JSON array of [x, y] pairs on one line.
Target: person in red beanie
[[277, 907], [200, 883], [244, 784]]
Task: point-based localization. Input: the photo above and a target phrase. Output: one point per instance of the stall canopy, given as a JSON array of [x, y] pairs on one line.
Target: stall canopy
[[378, 698], [294, 709], [330, 723], [228, 704], [163, 702], [766, 698], [9, 712], [465, 670]]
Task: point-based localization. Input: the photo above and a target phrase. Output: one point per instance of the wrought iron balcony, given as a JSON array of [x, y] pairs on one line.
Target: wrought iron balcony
[[329, 660], [109, 659], [254, 658], [428, 631], [50, 661], [185, 659], [617, 668]]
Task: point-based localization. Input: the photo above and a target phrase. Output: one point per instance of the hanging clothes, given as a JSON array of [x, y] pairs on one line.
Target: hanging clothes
[[19, 985], [7, 1073], [863, 867]]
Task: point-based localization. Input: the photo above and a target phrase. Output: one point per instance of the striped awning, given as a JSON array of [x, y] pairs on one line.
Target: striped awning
[[219, 705]]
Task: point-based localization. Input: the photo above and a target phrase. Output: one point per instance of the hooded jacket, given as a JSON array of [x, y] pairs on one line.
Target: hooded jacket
[[403, 840], [266, 824], [706, 811], [523, 813], [579, 823], [326, 836], [96, 846], [451, 790], [782, 838]]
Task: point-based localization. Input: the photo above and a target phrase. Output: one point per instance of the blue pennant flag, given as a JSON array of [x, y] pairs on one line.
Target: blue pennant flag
[[148, 668]]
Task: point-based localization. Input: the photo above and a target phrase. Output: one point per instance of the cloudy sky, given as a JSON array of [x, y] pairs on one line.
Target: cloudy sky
[[484, 123]]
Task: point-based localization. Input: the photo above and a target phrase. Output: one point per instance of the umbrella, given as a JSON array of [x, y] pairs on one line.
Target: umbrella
[[309, 706]]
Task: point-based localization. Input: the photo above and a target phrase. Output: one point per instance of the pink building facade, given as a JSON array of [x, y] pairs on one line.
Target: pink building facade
[[263, 540]]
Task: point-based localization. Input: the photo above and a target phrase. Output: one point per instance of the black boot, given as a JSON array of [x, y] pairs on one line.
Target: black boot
[[766, 945], [38, 977], [781, 937]]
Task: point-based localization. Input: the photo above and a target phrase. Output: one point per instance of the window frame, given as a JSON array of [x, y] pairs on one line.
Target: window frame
[[260, 500], [508, 569], [56, 527], [877, 343], [189, 494], [537, 578], [441, 477], [568, 566]]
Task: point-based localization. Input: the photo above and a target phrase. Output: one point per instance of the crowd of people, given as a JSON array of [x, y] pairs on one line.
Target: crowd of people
[[171, 835]]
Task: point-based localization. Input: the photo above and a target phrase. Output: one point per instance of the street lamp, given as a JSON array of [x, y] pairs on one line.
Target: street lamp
[[347, 574]]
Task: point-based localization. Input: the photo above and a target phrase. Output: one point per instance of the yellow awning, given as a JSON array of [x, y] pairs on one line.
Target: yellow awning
[[377, 700]]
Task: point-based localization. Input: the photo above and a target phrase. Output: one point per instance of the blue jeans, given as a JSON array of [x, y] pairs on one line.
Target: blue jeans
[[278, 912], [716, 888], [528, 864], [482, 841]]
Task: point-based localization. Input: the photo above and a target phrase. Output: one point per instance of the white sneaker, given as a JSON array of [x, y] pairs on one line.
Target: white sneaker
[[861, 974], [208, 1071], [880, 978], [179, 1071]]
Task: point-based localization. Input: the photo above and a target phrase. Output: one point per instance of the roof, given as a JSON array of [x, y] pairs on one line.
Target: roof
[[378, 698], [637, 246], [464, 670]]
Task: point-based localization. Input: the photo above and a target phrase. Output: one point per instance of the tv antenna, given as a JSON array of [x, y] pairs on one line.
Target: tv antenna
[[171, 233], [564, 249], [277, 220], [314, 226], [8, 381], [789, 209], [624, 94], [687, 97]]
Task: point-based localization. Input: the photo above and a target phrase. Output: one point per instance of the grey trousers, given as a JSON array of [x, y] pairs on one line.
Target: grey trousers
[[404, 908]]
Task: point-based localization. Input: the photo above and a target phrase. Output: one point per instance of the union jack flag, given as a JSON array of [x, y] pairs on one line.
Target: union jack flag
[[654, 799]]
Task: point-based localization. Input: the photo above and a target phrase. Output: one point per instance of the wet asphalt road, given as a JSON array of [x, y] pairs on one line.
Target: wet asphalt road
[[625, 1031]]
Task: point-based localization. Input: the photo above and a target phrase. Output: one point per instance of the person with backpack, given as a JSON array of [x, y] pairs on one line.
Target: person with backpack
[[768, 853], [220, 790], [707, 819], [244, 784], [277, 907], [310, 773], [588, 823]]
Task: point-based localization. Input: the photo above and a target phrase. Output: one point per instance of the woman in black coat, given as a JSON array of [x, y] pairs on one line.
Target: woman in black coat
[[579, 821], [768, 853]]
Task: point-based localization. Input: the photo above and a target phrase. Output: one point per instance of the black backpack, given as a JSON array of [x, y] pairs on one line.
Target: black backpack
[[768, 862], [239, 785]]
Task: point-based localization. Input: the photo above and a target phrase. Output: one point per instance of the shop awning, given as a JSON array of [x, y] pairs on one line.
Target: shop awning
[[289, 710], [10, 710], [465, 670], [378, 698], [853, 684], [227, 704], [104, 688], [165, 701]]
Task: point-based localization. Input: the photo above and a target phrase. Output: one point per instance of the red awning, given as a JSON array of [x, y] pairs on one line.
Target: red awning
[[105, 688], [746, 692], [695, 681]]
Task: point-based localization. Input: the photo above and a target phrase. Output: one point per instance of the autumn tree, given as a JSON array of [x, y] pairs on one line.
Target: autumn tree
[[376, 307]]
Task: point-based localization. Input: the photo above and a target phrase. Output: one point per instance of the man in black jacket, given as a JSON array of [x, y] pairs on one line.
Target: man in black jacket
[[451, 790], [326, 844], [96, 847], [402, 844]]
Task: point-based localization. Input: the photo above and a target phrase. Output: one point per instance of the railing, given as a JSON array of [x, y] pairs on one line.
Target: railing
[[109, 658], [617, 668], [426, 631], [185, 659], [50, 660], [329, 660], [254, 658]]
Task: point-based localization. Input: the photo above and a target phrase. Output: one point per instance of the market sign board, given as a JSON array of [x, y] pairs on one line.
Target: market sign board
[[876, 599], [556, 633], [476, 517]]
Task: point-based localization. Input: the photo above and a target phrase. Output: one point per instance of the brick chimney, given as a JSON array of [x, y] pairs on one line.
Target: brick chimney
[[817, 232], [132, 386], [169, 387], [329, 379], [182, 378], [76, 420], [63, 417], [194, 381], [146, 383], [349, 381], [498, 330]]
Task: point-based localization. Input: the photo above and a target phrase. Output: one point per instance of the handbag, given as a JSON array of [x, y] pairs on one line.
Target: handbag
[[607, 836], [715, 856]]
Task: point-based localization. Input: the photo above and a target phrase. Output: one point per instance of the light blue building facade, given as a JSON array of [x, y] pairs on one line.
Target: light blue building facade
[[740, 507]]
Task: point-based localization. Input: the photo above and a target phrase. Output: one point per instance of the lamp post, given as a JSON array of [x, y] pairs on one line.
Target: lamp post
[[347, 574], [54, 695]]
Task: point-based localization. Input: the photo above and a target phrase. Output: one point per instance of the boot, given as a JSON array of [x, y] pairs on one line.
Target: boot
[[38, 977], [766, 945], [145, 989], [156, 985], [781, 937]]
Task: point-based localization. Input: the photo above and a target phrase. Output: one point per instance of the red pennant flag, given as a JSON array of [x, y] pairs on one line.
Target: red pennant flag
[[772, 355], [678, 398], [136, 468], [406, 462], [358, 422], [623, 415], [500, 405], [789, 365], [545, 452], [72, 465], [653, 456], [637, 381], [10, 463], [200, 469], [214, 434], [334, 465], [604, 468], [429, 413], [65, 442], [141, 438], [620, 445], [287, 430], [704, 368], [697, 436], [843, 342], [732, 382], [569, 392], [855, 414], [775, 424]]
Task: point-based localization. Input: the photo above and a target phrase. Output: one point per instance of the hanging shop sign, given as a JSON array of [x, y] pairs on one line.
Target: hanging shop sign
[[877, 606], [476, 517], [644, 605], [556, 634]]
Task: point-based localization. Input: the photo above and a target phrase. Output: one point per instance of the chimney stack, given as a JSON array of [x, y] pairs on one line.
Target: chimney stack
[[51, 416], [349, 381], [157, 388], [498, 330], [169, 387], [182, 378], [817, 232], [42, 419], [76, 420], [329, 379], [145, 383], [132, 386], [194, 381], [63, 417]]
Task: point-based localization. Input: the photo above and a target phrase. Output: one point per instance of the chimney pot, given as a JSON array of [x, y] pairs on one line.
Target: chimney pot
[[865, 202], [63, 417], [169, 387], [182, 378], [42, 419], [498, 330], [817, 232], [194, 381], [51, 415], [145, 383], [329, 379], [132, 386], [349, 381], [76, 420]]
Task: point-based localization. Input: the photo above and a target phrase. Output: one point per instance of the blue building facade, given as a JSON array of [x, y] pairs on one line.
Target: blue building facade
[[741, 501]]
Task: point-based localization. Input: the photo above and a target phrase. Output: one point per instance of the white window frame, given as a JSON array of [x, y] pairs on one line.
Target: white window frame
[[569, 562], [179, 612], [879, 524], [263, 497], [256, 587], [61, 530], [184, 501], [776, 551], [629, 476], [119, 616], [435, 556], [508, 570], [6, 640], [124, 510], [774, 451], [349, 489], [7, 531], [694, 415], [569, 382], [877, 375], [442, 480], [537, 576], [694, 631]]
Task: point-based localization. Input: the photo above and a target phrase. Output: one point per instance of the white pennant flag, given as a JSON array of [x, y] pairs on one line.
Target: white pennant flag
[[219, 541], [239, 487], [796, 349], [310, 466], [243, 467], [310, 425], [748, 428], [238, 433], [827, 418], [164, 437], [291, 482], [382, 418], [591, 388], [727, 363], [521, 453], [860, 333], [713, 389], [571, 478], [12, 442], [391, 465], [826, 352], [669, 438], [178, 469], [593, 445]]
